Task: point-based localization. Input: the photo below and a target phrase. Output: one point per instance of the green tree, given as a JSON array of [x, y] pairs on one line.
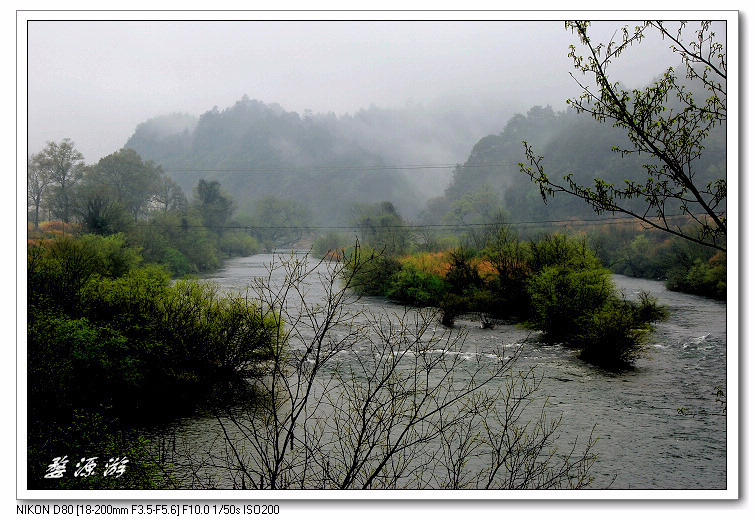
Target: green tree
[[474, 207], [99, 210], [133, 182], [169, 195], [64, 166], [668, 121], [279, 221], [213, 204], [37, 182], [178, 240], [381, 227]]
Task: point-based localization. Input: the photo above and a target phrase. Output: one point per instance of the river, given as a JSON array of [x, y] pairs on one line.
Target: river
[[660, 425]]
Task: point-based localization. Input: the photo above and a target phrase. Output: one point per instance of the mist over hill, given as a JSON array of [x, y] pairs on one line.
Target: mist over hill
[[325, 161], [438, 164], [490, 184]]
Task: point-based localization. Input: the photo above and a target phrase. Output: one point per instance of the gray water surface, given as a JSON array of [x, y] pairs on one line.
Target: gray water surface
[[644, 441]]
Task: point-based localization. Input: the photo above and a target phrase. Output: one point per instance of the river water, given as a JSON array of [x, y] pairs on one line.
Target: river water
[[660, 425]]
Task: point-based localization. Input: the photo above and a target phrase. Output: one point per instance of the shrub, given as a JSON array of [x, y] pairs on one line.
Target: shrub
[[210, 333], [331, 242], [412, 286], [561, 298], [167, 232], [609, 336], [648, 310], [613, 336], [451, 307], [562, 250], [59, 270], [370, 272], [114, 256], [643, 258], [106, 336], [78, 363], [463, 277], [132, 334], [704, 278], [509, 286], [175, 261], [238, 244]]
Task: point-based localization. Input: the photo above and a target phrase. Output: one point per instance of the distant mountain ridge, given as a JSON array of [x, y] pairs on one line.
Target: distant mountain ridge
[[322, 160], [329, 162], [570, 143]]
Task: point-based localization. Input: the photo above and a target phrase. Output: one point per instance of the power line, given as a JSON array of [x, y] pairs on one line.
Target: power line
[[333, 168], [461, 226]]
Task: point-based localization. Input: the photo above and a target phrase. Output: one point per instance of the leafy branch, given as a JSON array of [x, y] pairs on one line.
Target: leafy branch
[[665, 121]]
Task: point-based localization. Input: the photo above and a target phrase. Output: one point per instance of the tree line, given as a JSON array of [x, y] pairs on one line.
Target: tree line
[[122, 193]]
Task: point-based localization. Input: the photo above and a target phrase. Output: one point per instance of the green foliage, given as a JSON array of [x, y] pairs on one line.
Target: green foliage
[[561, 297], [60, 167], [491, 177], [210, 333], [556, 284], [643, 256], [129, 181], [314, 164], [59, 270], [481, 205], [451, 306], [512, 262], [669, 121], [99, 210], [647, 310], [573, 300], [110, 337], [331, 242], [238, 243], [168, 233], [561, 250], [213, 204], [175, 261], [608, 337], [704, 278], [278, 222], [686, 266], [371, 272], [614, 335], [114, 256], [415, 287], [77, 362], [462, 277], [381, 227]]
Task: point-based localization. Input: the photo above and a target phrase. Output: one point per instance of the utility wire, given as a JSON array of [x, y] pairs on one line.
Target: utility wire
[[572, 222], [333, 168]]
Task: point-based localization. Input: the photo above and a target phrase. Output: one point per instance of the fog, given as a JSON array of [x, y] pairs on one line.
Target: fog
[[95, 81]]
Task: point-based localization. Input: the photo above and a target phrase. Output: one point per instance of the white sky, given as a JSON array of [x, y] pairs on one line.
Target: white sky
[[94, 81]]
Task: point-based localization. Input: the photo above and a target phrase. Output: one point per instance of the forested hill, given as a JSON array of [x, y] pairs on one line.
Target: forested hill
[[491, 180], [325, 162], [255, 149], [328, 163]]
